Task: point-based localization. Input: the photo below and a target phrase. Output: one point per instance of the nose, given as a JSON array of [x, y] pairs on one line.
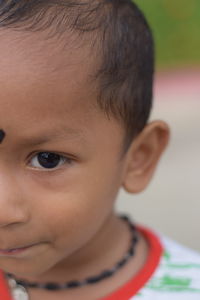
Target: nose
[[13, 210]]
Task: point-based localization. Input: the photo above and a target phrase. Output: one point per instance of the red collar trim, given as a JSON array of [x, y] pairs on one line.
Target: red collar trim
[[132, 287], [4, 289]]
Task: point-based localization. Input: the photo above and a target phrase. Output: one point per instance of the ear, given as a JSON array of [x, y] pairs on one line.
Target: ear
[[143, 156]]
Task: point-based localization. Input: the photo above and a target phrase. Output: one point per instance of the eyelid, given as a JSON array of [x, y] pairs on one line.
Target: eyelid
[[66, 155], [68, 160]]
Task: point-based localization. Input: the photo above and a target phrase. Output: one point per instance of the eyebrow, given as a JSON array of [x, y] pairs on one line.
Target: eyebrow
[[66, 133]]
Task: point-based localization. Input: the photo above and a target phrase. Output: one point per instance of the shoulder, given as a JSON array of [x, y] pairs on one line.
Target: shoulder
[[177, 275], [177, 253]]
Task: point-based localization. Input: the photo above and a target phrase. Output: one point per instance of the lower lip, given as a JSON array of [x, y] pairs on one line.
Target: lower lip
[[14, 251]]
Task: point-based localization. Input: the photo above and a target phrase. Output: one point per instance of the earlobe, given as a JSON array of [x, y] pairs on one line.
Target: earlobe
[[143, 156]]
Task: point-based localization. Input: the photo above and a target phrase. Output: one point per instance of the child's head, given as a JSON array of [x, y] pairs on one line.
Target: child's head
[[76, 91], [120, 43]]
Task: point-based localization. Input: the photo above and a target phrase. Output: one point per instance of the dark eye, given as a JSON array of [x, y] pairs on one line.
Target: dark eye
[[47, 160]]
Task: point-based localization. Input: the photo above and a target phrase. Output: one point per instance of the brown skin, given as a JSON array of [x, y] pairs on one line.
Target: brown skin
[[68, 210]]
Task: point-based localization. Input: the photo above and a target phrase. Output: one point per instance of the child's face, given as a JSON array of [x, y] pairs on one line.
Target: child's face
[[47, 105]]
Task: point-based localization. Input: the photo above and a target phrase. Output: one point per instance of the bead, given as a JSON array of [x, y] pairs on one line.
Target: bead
[[121, 263], [73, 284], [52, 286], [124, 217], [2, 135], [32, 285], [19, 293], [131, 252], [135, 239], [102, 276]]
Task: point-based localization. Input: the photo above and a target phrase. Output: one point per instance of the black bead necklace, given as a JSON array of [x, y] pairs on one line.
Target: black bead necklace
[[23, 284]]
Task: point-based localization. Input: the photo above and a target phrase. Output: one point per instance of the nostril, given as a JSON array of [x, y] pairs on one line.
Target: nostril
[[9, 224], [13, 219]]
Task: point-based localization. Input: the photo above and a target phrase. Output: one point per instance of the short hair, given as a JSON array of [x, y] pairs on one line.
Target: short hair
[[125, 43]]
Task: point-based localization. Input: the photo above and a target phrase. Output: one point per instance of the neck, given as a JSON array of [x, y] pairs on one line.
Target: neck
[[107, 247]]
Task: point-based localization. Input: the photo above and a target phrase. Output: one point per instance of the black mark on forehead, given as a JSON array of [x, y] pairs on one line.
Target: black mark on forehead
[[2, 135]]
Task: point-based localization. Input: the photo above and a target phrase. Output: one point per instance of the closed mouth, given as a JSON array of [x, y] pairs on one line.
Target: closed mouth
[[14, 250]]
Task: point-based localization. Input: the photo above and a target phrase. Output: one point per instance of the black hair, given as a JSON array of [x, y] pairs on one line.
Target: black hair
[[125, 43]]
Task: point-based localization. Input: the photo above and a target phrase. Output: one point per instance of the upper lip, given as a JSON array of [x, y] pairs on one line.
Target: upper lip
[[16, 248], [10, 249]]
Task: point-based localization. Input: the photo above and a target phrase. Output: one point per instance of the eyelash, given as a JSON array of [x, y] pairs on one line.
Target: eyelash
[[64, 159]]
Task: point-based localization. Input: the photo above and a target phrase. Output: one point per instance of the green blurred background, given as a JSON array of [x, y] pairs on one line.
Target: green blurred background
[[176, 28]]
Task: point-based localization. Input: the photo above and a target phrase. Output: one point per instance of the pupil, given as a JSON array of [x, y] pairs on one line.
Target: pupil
[[48, 160]]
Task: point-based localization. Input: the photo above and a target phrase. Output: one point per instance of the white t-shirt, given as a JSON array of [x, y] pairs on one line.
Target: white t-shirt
[[176, 277], [172, 272]]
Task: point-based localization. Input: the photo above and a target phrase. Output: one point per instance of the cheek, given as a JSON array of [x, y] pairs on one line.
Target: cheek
[[72, 205], [72, 217]]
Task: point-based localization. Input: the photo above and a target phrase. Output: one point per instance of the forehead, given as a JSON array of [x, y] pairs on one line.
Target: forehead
[[34, 68], [34, 56], [45, 84]]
